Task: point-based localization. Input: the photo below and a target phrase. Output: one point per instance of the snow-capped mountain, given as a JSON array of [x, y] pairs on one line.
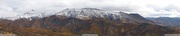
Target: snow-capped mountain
[[82, 13], [90, 13], [33, 13], [29, 14]]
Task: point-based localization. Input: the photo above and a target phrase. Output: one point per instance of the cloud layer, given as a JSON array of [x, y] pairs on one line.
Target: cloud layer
[[146, 8]]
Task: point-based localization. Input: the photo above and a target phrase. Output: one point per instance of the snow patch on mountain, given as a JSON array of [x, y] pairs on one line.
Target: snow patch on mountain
[[29, 15]]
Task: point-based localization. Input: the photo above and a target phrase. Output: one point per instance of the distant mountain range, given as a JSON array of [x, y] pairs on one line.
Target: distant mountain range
[[167, 21], [78, 21]]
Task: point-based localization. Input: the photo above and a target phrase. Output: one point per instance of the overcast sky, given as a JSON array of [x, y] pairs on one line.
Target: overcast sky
[[146, 8]]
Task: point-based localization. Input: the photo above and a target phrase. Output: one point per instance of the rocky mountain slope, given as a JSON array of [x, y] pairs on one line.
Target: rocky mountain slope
[[75, 22]]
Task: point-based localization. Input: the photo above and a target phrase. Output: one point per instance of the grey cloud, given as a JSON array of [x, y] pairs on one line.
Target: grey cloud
[[169, 7], [172, 7], [121, 8], [160, 14]]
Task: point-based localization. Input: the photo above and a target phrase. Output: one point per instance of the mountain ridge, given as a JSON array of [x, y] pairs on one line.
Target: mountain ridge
[[75, 13], [166, 21]]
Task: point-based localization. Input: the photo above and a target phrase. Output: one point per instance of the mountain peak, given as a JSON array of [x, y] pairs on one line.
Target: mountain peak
[[32, 13], [28, 15]]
